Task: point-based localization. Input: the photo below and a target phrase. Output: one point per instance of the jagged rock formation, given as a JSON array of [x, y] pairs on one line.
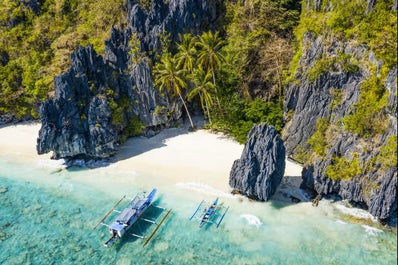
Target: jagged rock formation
[[331, 96], [259, 171], [171, 17], [78, 120], [100, 101]]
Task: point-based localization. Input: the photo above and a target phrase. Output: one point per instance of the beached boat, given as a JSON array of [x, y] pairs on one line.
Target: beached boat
[[210, 214], [129, 216]]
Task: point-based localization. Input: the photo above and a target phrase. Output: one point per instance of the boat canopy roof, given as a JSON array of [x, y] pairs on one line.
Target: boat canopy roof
[[125, 215], [116, 226], [137, 202]]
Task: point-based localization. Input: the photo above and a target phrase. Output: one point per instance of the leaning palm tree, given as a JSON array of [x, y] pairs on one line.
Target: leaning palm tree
[[168, 76], [209, 54], [202, 87], [186, 54]]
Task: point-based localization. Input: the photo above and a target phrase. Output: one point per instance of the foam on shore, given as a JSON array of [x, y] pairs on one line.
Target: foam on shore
[[355, 212], [252, 220]]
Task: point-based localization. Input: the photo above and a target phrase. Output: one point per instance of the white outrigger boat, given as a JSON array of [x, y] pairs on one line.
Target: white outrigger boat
[[130, 215], [210, 214]]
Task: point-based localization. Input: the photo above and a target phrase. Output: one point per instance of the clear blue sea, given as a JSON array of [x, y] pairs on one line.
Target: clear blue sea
[[47, 215]]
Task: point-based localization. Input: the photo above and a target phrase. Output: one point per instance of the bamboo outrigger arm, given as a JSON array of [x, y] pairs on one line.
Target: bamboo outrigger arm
[[110, 211], [156, 229]]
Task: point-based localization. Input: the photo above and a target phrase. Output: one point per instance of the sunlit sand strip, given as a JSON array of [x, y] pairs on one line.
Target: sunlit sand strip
[[20, 140]]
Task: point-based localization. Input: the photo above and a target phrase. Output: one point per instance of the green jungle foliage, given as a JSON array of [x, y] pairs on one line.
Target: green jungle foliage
[[251, 53], [348, 20], [369, 118], [388, 153], [256, 54], [342, 61], [35, 47], [259, 36], [135, 127], [199, 70], [337, 97], [318, 141], [237, 73], [378, 29], [342, 168]]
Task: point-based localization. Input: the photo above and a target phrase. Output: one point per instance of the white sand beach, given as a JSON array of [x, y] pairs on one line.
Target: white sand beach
[[194, 160], [21, 140]]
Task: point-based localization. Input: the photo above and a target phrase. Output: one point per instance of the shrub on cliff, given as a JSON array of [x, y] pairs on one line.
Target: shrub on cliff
[[36, 43]]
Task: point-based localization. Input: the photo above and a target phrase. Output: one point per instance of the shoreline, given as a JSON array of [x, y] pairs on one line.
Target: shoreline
[[173, 156], [174, 159]]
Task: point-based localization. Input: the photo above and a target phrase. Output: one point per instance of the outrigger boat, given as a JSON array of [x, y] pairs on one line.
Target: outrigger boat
[[210, 214], [130, 215]]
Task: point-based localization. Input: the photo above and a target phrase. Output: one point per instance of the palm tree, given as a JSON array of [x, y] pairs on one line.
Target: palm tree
[[209, 54], [202, 87], [168, 76], [186, 52]]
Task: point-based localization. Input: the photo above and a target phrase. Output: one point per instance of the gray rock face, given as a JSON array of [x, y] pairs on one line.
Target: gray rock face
[[100, 99], [173, 17], [259, 171], [375, 189], [309, 100], [78, 120], [315, 4]]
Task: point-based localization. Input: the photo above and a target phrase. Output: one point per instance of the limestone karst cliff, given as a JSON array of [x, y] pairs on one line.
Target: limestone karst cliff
[[100, 101], [341, 108]]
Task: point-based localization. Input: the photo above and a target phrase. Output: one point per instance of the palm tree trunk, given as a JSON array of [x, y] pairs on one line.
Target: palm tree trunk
[[215, 88], [208, 111], [186, 109]]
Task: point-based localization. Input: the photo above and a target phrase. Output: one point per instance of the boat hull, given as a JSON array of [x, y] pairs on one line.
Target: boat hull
[[129, 216]]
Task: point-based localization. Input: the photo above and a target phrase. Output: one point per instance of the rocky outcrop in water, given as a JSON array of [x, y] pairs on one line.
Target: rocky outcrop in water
[[330, 96], [100, 101], [259, 171]]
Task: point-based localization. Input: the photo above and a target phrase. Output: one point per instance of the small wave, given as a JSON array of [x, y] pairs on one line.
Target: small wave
[[340, 222], [204, 188], [371, 230], [51, 163], [252, 220], [356, 212]]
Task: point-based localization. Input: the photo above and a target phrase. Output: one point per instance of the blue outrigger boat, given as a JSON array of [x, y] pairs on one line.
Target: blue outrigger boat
[[210, 214], [129, 216]]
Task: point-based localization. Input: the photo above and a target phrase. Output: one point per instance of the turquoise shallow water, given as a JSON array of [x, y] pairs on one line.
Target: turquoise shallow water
[[47, 216]]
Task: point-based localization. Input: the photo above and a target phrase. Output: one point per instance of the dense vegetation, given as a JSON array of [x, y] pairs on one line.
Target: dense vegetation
[[258, 50], [36, 42], [236, 73]]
